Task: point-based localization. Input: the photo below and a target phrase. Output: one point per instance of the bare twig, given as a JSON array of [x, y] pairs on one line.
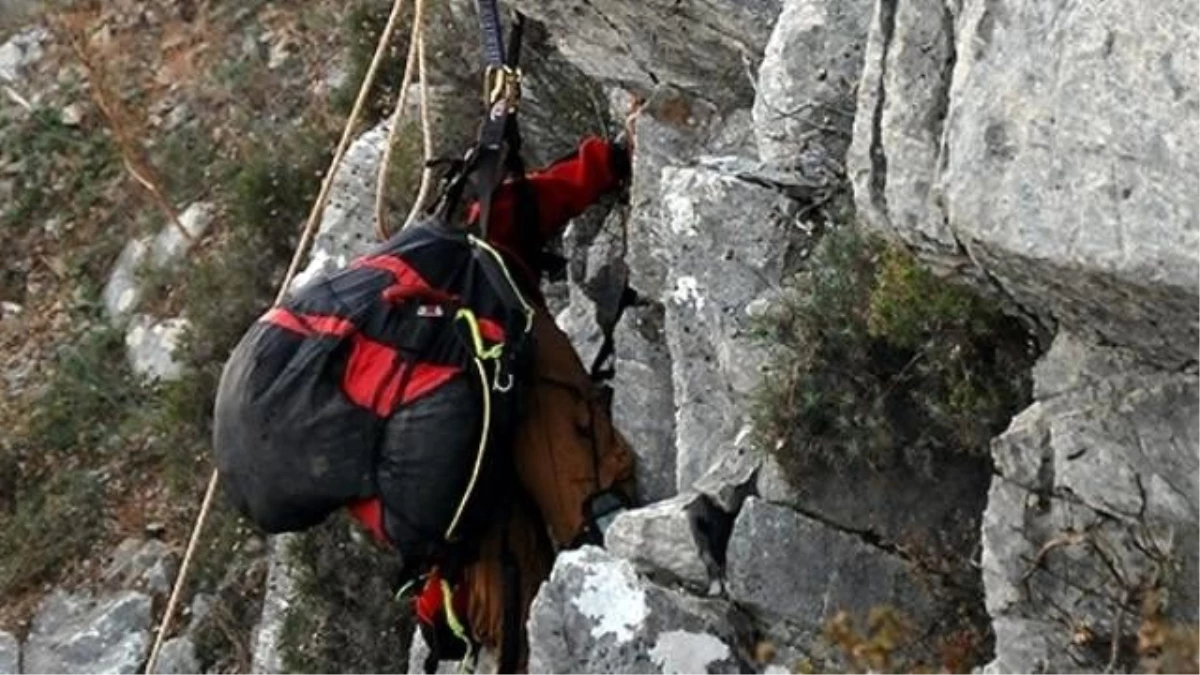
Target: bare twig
[[1065, 539], [138, 167]]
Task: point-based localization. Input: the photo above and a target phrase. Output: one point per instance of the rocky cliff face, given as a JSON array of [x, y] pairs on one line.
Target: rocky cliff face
[[1042, 152], [1049, 150]]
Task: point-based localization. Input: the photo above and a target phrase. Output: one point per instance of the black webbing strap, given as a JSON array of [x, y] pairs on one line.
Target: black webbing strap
[[502, 81], [600, 372]]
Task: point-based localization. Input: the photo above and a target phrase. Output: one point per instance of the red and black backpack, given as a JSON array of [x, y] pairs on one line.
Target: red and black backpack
[[397, 377]]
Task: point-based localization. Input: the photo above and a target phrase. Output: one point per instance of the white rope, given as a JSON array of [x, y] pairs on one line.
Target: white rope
[[426, 139], [305, 239], [415, 48]]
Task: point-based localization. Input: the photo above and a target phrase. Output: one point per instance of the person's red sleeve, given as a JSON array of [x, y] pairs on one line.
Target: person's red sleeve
[[561, 191]]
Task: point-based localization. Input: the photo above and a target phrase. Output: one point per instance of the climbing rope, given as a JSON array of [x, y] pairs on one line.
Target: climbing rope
[[305, 239], [416, 52], [426, 139]]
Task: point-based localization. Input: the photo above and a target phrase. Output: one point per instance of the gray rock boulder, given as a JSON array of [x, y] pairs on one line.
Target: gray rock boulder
[[163, 251], [934, 515], [699, 47], [123, 291], [795, 574], [177, 657], [173, 242], [772, 485], [643, 399], [726, 244], [671, 539], [804, 107], [1094, 508], [674, 129], [84, 634], [596, 615], [1047, 152], [20, 52], [142, 565], [282, 592], [902, 99], [10, 654], [734, 476], [150, 346]]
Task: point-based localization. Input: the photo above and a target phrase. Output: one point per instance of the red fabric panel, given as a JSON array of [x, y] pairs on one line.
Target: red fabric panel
[[491, 330], [429, 603], [426, 378], [307, 324], [403, 273], [367, 370], [372, 380], [398, 293], [369, 512], [562, 191]]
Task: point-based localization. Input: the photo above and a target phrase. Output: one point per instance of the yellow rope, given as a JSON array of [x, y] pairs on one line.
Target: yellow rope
[[456, 626], [483, 440], [302, 248], [414, 48]]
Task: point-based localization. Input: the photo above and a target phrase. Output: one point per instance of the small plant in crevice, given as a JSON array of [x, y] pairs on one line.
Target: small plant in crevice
[[879, 361], [885, 642]]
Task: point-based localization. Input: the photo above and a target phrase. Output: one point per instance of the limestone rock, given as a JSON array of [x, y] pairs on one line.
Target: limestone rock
[[123, 291], [596, 615], [177, 657], [1095, 503], [902, 99], [150, 346], [82, 634], [672, 538], [10, 654], [142, 565], [163, 251], [804, 107], [726, 243], [732, 478], [700, 47], [1048, 153], [643, 399], [21, 51], [795, 573], [347, 227], [281, 593]]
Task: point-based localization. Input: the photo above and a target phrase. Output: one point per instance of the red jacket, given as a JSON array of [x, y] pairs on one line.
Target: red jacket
[[560, 192]]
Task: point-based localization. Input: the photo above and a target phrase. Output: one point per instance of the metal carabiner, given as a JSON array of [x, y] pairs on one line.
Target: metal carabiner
[[506, 387]]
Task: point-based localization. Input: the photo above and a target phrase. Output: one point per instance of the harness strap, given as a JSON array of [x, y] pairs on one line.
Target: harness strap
[[486, 163], [600, 372]]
